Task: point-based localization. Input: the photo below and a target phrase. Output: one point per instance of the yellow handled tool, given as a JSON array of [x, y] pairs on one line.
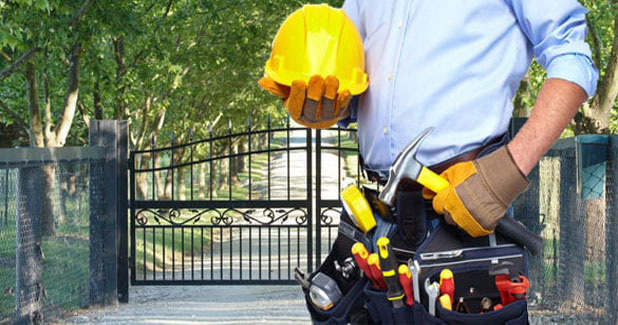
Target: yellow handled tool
[[388, 264], [431, 180], [357, 207], [445, 301]]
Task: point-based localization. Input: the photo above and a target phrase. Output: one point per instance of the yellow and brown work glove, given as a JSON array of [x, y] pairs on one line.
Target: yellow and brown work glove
[[480, 191], [316, 105]]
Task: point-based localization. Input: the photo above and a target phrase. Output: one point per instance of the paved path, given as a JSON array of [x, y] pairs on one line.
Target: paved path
[[204, 305]]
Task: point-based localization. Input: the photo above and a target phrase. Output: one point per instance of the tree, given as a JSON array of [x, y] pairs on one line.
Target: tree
[[596, 115]]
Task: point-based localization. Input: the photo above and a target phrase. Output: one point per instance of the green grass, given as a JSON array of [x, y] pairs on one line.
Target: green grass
[[65, 274]]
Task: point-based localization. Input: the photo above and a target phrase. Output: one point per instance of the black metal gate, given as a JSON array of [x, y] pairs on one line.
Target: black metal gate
[[236, 208]]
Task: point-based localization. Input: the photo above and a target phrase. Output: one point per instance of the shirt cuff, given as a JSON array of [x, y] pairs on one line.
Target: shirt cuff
[[576, 68], [353, 113]]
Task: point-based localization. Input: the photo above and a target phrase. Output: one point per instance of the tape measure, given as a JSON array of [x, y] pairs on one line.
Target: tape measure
[[357, 207]]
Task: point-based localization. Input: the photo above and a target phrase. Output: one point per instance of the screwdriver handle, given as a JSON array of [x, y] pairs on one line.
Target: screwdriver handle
[[361, 255], [388, 264], [405, 278], [374, 266]]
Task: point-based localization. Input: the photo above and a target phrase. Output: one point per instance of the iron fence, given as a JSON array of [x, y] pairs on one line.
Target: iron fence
[[233, 208]]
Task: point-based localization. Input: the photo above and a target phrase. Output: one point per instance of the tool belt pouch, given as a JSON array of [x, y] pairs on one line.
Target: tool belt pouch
[[470, 260], [381, 309], [343, 311], [349, 309]]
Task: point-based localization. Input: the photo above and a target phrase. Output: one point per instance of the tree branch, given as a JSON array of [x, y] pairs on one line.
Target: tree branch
[[147, 10], [167, 10], [84, 114], [70, 101], [80, 12], [6, 56], [7, 72], [596, 42], [48, 117]]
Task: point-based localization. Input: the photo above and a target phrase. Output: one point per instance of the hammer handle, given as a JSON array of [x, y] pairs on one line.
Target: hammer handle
[[507, 227], [511, 228], [431, 180]]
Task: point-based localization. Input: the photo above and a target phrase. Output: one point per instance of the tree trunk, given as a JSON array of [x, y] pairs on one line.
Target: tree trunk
[[119, 111], [47, 203], [240, 160], [202, 181], [37, 140], [142, 178], [181, 172], [223, 174], [36, 125], [160, 189], [59, 136], [96, 96], [214, 179], [595, 117], [234, 166]]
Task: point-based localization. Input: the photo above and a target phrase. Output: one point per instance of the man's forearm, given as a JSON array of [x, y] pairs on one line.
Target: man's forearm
[[555, 106]]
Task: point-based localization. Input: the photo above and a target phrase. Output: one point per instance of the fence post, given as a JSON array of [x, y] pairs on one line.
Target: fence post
[[29, 259], [109, 220], [611, 229]]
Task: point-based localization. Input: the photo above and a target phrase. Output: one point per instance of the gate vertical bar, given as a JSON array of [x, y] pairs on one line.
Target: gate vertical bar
[[310, 202], [132, 216], [318, 198]]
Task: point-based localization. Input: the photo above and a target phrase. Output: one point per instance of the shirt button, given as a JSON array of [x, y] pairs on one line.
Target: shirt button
[[400, 25], [390, 76], [385, 131]]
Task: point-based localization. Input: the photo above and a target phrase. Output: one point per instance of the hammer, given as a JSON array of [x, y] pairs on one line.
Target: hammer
[[406, 167]]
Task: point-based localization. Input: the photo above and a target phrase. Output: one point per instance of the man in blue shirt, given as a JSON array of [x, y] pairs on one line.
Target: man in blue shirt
[[456, 65]]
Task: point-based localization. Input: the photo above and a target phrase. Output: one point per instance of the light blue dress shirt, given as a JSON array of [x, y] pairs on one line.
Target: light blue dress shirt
[[456, 65]]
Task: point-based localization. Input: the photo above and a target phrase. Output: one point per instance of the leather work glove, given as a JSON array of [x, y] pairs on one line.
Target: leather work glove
[[317, 105], [480, 191]]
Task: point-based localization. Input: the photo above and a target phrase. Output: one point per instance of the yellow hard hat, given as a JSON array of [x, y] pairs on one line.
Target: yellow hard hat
[[322, 40]]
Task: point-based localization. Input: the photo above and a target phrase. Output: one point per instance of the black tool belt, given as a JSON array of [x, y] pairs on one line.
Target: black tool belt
[[381, 177], [419, 234], [423, 236]]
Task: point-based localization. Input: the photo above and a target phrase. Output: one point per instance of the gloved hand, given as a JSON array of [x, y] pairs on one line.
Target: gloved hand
[[480, 191], [317, 105]]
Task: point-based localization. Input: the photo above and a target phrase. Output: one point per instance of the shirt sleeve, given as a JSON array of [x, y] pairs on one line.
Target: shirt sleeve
[[557, 32]]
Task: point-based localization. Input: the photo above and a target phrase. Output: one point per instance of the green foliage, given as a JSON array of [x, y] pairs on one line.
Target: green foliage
[[197, 61]]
